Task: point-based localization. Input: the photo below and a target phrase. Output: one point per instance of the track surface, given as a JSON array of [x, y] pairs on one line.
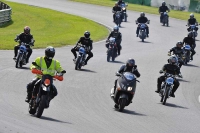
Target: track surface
[[83, 104]]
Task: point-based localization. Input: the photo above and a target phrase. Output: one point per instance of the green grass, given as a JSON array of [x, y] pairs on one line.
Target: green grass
[[147, 9], [48, 27]]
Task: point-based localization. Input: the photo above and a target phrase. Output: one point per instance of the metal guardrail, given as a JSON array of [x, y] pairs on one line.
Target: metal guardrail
[[5, 13]]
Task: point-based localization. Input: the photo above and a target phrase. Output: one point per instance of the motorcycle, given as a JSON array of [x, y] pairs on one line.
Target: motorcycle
[[165, 19], [22, 55], [187, 53], [124, 14], [193, 29], [79, 62], [166, 87], [142, 30], [125, 90], [41, 102], [118, 18], [112, 49]]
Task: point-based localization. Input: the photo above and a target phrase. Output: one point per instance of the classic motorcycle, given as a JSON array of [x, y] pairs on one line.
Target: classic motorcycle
[[118, 18], [166, 87], [125, 90], [44, 96], [22, 55], [193, 29], [165, 20], [142, 30], [187, 53], [124, 14], [112, 49], [79, 62]]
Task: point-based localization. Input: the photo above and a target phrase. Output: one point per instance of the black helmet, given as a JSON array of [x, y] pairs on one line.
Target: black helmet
[[115, 28], [49, 52], [27, 30], [142, 14], [87, 34], [163, 3], [130, 62], [179, 44], [173, 60], [190, 34], [191, 15]]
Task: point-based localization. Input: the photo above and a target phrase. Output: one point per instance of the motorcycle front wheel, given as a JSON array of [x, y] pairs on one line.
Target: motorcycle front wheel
[[122, 103]]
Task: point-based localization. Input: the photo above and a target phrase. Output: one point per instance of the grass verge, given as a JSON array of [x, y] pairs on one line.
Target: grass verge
[[140, 8], [48, 27]]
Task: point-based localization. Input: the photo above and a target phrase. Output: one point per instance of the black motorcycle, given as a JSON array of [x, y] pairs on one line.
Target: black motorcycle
[[112, 49], [79, 62], [165, 18], [118, 18], [124, 14], [166, 87], [125, 90], [187, 54], [142, 30], [38, 104], [192, 28]]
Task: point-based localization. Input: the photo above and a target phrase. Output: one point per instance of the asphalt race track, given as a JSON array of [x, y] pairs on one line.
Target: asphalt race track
[[83, 104]]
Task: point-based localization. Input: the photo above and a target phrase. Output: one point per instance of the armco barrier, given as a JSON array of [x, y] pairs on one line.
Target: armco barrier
[[5, 13]]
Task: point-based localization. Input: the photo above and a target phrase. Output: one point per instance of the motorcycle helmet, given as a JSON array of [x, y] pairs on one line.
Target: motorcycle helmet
[[142, 14], [27, 30], [130, 63], [87, 34], [173, 60], [191, 15], [163, 3], [179, 44], [115, 28], [190, 34], [49, 52]]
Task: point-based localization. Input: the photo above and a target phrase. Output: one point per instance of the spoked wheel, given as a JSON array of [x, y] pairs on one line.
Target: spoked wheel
[[122, 103], [166, 95], [77, 66], [18, 61]]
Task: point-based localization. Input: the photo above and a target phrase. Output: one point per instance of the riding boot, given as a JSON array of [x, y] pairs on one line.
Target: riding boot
[[28, 97]]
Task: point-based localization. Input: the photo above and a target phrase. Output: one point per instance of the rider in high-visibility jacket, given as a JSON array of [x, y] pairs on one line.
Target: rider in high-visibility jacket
[[48, 66]]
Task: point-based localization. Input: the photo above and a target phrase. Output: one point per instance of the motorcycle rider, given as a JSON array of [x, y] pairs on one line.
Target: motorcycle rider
[[48, 65], [177, 50], [120, 2], [85, 40], [190, 41], [128, 67], [27, 38], [170, 68], [115, 9], [163, 9], [192, 21], [118, 38], [144, 20]]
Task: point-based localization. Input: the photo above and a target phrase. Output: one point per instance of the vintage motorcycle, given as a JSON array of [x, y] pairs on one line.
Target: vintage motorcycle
[[125, 90], [118, 18], [124, 14], [165, 19], [22, 55], [79, 62], [142, 30], [193, 29], [112, 49], [166, 87], [187, 53], [44, 96]]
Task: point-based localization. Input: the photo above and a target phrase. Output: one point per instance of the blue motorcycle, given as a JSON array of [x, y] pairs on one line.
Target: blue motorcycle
[[21, 55], [79, 62]]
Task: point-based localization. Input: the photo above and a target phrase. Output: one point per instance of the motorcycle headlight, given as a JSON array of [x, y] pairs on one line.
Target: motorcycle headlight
[[129, 89]]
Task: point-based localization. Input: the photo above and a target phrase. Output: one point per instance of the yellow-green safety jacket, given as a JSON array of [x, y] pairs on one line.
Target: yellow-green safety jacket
[[55, 66]]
